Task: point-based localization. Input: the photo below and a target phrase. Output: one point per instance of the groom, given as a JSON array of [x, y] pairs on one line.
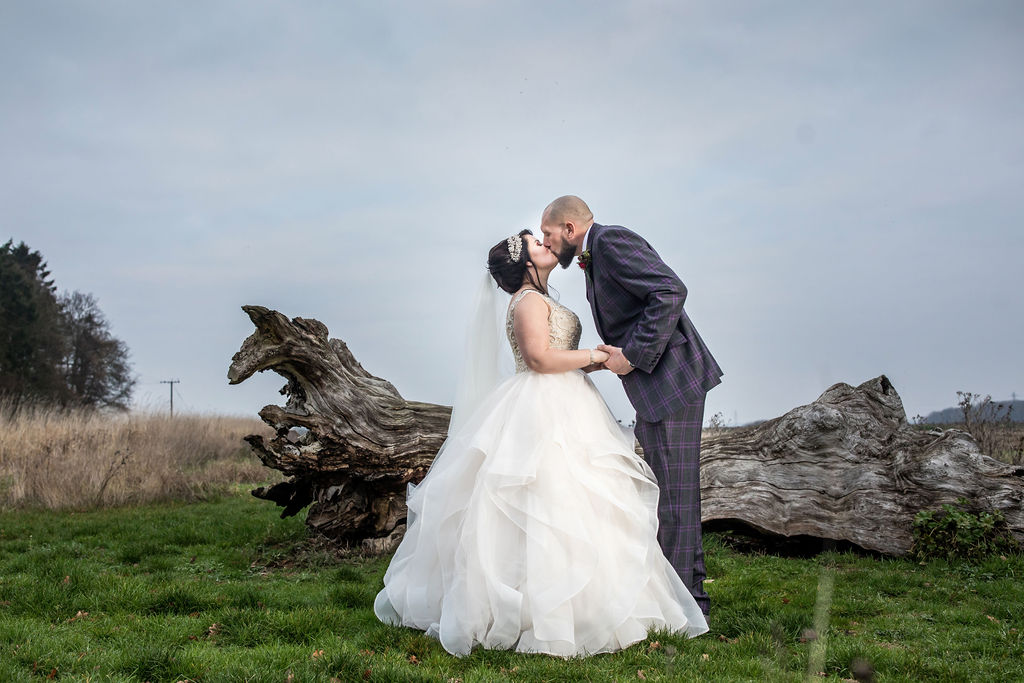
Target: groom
[[665, 368]]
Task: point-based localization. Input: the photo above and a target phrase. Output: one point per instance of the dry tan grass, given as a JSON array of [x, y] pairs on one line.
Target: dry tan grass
[[55, 459], [1003, 441]]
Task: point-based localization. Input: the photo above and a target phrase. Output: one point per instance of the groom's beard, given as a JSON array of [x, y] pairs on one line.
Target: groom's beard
[[566, 255]]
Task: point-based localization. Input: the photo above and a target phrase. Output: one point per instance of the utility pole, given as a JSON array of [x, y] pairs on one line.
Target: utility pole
[[172, 382]]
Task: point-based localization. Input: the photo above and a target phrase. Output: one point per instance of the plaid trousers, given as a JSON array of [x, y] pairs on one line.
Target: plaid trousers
[[672, 449]]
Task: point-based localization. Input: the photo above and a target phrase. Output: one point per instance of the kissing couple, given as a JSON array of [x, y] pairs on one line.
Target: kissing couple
[[538, 528]]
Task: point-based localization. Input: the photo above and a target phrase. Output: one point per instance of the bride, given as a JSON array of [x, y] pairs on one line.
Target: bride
[[535, 528]]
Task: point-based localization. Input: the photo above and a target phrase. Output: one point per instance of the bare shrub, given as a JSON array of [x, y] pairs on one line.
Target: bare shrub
[[992, 426], [77, 459], [716, 423]]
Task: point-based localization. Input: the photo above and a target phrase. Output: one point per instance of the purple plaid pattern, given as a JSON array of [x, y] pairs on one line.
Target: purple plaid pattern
[[637, 302], [672, 449]]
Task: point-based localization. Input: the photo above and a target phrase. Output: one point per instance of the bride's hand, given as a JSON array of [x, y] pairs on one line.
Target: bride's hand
[[599, 358]]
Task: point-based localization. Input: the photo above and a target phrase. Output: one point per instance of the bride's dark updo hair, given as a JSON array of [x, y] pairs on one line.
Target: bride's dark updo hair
[[508, 273]]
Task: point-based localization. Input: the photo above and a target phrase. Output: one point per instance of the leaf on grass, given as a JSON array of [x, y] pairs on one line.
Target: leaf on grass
[[413, 659], [318, 653], [653, 646], [992, 618], [366, 675], [705, 656], [640, 674]]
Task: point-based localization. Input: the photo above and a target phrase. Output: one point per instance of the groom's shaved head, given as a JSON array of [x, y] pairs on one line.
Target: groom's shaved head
[[564, 223], [568, 208]]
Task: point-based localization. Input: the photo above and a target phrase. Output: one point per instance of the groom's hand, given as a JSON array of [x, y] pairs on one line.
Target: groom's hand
[[617, 363]]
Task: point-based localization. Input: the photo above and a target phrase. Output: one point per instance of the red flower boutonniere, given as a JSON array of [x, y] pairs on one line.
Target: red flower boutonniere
[[584, 260]]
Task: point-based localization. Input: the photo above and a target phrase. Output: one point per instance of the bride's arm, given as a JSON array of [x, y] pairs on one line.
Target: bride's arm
[[530, 326]]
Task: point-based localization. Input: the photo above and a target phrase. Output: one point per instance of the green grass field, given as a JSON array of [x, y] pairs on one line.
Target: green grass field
[[226, 591]]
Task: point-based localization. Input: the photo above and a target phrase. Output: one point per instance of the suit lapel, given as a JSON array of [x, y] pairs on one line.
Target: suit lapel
[[591, 277]]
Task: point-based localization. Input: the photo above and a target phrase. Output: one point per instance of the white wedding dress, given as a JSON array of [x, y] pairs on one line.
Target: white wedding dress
[[536, 527]]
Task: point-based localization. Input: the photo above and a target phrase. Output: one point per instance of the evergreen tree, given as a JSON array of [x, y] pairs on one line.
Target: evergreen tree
[[31, 340]]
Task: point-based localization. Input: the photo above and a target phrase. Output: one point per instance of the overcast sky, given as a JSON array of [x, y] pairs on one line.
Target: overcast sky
[[839, 184]]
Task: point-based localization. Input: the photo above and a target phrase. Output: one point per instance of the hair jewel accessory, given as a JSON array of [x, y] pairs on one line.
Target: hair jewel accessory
[[515, 248]]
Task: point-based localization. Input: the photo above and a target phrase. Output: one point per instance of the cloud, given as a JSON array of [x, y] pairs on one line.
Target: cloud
[[835, 183]]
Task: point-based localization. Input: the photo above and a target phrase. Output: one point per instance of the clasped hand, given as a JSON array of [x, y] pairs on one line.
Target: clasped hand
[[613, 360], [599, 357], [616, 362]]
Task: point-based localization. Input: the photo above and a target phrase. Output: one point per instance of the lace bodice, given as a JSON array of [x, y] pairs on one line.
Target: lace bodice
[[563, 325]]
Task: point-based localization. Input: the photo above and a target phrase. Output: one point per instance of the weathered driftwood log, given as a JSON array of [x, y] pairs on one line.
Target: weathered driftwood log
[[846, 467], [363, 442]]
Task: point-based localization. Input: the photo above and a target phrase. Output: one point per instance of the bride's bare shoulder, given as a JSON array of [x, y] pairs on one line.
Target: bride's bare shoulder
[[529, 306]]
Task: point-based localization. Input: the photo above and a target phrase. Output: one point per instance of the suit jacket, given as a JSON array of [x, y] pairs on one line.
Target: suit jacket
[[637, 302]]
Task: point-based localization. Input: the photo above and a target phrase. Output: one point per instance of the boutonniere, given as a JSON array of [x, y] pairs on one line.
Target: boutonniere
[[584, 260]]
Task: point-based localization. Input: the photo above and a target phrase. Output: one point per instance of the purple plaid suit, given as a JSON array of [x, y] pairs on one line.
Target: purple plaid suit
[[637, 302]]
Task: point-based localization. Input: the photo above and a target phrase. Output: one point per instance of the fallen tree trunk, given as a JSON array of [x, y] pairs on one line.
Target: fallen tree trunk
[[362, 442], [846, 467]]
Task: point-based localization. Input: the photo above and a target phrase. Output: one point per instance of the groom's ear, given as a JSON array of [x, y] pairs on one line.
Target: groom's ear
[[570, 228]]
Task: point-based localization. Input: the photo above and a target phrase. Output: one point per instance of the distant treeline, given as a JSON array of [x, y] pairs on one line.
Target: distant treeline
[[994, 411]]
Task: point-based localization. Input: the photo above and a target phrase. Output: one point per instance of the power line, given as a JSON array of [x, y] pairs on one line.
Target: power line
[[172, 382]]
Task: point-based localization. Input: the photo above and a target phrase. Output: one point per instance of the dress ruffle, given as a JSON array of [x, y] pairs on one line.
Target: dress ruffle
[[536, 530]]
